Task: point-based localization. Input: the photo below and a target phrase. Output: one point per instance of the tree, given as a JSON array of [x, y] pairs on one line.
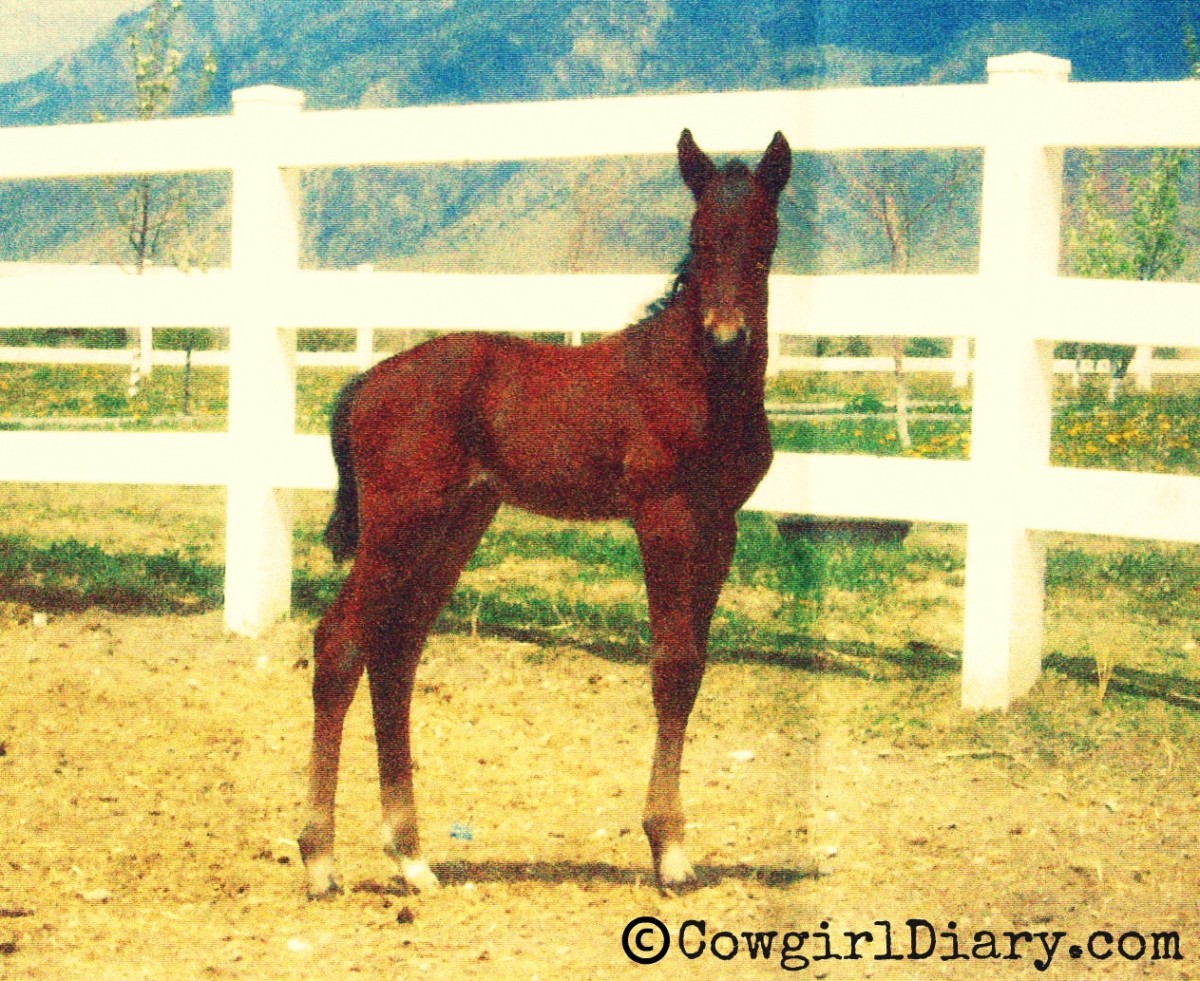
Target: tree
[[1126, 226], [900, 195], [152, 215]]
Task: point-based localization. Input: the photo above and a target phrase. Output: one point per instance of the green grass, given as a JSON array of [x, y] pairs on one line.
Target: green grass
[[552, 581], [947, 439], [1154, 433], [548, 576], [72, 575], [99, 391], [861, 388]]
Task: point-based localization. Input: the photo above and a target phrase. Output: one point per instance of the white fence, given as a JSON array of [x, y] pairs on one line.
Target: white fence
[[1016, 308], [1142, 369]]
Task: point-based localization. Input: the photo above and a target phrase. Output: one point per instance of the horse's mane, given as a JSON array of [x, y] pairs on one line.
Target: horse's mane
[[681, 274]]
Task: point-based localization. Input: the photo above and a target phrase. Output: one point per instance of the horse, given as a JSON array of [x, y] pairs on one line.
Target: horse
[[661, 423]]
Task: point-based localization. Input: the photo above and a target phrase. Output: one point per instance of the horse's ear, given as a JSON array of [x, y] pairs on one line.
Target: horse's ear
[[694, 164], [775, 167]]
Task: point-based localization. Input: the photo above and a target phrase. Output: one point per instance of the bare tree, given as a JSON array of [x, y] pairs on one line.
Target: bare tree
[[153, 214], [896, 199]]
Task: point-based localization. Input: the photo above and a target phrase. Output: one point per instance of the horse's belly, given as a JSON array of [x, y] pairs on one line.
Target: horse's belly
[[569, 485], [566, 497], [545, 463]]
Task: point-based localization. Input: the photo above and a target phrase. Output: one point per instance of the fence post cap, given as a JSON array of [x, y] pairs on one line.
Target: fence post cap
[[1029, 63], [273, 95]]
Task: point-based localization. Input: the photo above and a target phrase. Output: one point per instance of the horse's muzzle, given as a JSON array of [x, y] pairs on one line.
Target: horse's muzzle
[[726, 331]]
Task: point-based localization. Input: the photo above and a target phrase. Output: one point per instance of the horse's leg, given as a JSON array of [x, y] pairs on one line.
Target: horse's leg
[[359, 630], [338, 667], [436, 566], [717, 534], [669, 537]]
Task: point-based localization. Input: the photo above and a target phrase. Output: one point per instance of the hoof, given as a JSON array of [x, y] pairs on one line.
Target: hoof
[[419, 876], [321, 882], [675, 873], [331, 890], [414, 871]]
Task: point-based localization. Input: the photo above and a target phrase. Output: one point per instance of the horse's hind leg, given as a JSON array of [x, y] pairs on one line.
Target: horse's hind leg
[[436, 563], [365, 624], [338, 667]]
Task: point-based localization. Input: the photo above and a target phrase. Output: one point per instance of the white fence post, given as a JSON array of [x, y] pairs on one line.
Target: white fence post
[[146, 348], [364, 334], [774, 353], [1019, 235], [960, 358], [262, 362], [1142, 367]]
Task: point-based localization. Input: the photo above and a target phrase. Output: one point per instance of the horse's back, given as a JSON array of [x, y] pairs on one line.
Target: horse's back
[[563, 431]]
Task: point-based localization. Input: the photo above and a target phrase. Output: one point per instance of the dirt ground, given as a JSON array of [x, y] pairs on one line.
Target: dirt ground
[[152, 773]]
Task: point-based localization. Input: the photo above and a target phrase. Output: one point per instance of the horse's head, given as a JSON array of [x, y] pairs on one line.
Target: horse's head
[[733, 236]]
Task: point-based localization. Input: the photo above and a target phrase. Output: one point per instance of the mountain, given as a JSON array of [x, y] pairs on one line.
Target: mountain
[[344, 53], [348, 53]]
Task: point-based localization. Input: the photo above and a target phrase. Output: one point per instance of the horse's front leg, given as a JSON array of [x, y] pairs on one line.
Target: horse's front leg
[[717, 541], [669, 534]]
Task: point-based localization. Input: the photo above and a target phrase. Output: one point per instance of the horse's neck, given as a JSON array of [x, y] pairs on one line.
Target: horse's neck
[[676, 339]]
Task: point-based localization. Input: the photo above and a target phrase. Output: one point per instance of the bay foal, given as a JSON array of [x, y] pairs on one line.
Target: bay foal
[[662, 424]]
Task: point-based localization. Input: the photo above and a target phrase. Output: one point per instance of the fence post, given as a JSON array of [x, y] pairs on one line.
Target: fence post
[[146, 346], [960, 359], [1142, 367], [262, 362], [774, 353], [364, 333], [1019, 246]]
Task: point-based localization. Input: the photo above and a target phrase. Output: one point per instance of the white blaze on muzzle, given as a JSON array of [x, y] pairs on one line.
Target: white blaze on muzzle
[[725, 327]]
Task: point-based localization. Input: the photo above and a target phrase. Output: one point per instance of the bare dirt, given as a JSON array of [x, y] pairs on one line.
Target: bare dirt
[[152, 773]]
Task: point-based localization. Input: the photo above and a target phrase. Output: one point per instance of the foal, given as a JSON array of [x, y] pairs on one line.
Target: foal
[[662, 423]]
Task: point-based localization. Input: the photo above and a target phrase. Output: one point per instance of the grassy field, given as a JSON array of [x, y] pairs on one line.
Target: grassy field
[[869, 607]]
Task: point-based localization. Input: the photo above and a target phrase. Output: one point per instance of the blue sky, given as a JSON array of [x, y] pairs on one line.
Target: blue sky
[[35, 32]]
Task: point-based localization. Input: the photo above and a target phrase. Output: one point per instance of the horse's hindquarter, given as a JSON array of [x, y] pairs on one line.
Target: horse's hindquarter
[[411, 421]]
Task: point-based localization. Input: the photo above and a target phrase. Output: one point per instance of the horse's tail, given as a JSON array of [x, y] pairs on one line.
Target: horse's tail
[[341, 534]]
